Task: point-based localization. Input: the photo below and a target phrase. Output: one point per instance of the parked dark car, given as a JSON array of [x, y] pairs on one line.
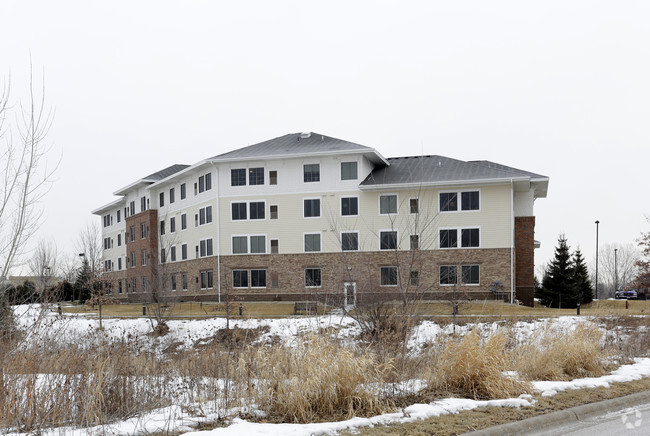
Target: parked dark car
[[631, 294]]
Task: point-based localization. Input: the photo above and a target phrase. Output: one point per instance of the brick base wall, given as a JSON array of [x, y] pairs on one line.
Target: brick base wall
[[525, 259]]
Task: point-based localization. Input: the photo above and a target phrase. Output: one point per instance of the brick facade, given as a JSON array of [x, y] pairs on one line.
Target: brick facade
[[149, 244], [525, 259]]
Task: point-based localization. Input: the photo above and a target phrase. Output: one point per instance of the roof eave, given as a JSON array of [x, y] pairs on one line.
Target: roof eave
[[179, 173], [108, 206], [446, 183], [378, 158]]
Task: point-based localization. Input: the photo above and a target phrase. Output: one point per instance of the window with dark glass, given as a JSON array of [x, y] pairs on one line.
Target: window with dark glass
[[312, 242], [162, 227], [273, 209], [448, 275], [448, 201], [388, 275], [312, 208], [275, 246], [388, 240], [448, 238], [183, 191], [258, 244], [273, 177], [172, 253], [348, 170], [257, 210], [349, 241], [470, 274], [415, 242], [349, 206], [240, 278], [414, 278], [239, 244], [172, 224], [414, 205], [172, 195], [470, 237], [238, 177], [184, 252], [258, 278], [183, 221], [205, 247], [469, 200], [238, 211], [387, 204], [162, 199], [313, 277], [256, 176], [311, 173]]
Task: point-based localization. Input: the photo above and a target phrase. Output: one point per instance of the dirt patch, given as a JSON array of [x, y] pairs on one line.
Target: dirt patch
[[234, 337]]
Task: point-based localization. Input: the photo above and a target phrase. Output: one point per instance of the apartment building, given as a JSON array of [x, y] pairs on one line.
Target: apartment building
[[307, 216]]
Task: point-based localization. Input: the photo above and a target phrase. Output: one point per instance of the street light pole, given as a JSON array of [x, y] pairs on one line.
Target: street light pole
[[597, 222], [615, 271]]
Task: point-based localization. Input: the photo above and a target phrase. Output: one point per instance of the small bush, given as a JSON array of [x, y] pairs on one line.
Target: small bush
[[475, 369]]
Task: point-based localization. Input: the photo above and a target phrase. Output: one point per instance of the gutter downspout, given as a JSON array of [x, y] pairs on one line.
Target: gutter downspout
[[218, 232], [512, 242]]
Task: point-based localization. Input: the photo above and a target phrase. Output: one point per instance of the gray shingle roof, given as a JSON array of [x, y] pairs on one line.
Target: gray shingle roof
[[439, 169], [159, 175], [295, 144]]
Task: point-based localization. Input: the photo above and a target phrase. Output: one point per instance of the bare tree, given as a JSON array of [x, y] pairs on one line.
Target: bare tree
[[25, 175], [617, 266], [44, 266], [89, 246]]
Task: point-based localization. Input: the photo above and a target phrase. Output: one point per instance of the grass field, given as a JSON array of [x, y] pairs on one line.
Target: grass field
[[488, 308]]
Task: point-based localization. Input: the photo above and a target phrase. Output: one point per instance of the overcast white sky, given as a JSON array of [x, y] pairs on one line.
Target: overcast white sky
[[560, 88]]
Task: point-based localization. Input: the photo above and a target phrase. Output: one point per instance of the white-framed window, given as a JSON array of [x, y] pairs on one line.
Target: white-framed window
[[172, 253], [388, 204], [414, 242], [273, 212], [414, 205], [244, 244], [205, 182], [388, 240], [206, 279], [161, 200], [238, 177], [172, 196], [183, 251], [388, 276], [275, 246], [172, 225], [183, 191], [162, 227], [448, 275], [205, 215], [466, 200], [311, 207], [238, 210], [257, 210], [273, 177], [348, 171], [258, 278], [470, 275], [205, 247], [311, 173], [240, 245], [240, 278], [173, 277], [256, 176], [143, 257], [312, 242], [350, 241], [143, 230], [313, 278], [258, 244], [349, 206], [183, 221], [470, 237], [184, 281], [248, 210]]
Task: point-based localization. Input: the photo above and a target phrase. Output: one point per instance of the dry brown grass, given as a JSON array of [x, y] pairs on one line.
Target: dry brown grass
[[475, 369], [561, 355]]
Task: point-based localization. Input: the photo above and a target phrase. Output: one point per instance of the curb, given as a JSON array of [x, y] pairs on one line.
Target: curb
[[560, 418]]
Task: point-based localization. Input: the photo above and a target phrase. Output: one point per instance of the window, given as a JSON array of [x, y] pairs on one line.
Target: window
[[183, 191], [144, 284], [205, 215], [256, 176], [143, 230], [348, 171], [275, 248], [258, 278], [184, 280], [172, 253], [183, 221], [239, 245], [206, 279], [132, 208], [240, 278], [448, 201], [311, 173], [144, 257], [134, 284], [313, 278], [415, 242], [388, 276], [448, 274], [238, 211], [312, 208], [132, 233], [107, 265], [257, 210], [349, 206], [172, 197], [173, 282], [448, 238], [312, 242], [119, 239], [470, 238], [162, 199], [119, 263], [258, 244], [414, 278], [163, 259], [469, 200], [205, 182], [107, 220], [387, 204], [273, 177], [107, 243], [388, 240], [133, 265], [119, 286], [184, 252], [118, 218], [414, 205], [143, 204], [238, 177], [205, 247], [350, 241], [274, 211], [172, 225], [162, 227], [470, 274]]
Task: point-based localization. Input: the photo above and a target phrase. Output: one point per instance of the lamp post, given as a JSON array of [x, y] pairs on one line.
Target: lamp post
[[597, 222], [615, 271]]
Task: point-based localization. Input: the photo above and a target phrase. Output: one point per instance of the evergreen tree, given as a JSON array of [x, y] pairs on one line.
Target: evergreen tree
[[581, 282], [558, 289], [83, 282]]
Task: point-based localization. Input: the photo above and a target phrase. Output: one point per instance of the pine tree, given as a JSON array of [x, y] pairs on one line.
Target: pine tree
[[558, 288], [581, 282]]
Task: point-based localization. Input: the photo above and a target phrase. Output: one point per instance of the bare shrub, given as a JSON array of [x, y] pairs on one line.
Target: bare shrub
[[475, 369], [318, 379], [552, 355]]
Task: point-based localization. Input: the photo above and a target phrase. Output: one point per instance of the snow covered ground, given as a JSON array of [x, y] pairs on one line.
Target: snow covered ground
[[184, 334]]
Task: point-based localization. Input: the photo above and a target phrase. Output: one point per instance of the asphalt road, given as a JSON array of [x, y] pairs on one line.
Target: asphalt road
[[632, 421]]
